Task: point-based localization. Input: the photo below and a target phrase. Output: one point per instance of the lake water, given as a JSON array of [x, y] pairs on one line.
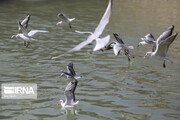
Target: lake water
[[110, 87]]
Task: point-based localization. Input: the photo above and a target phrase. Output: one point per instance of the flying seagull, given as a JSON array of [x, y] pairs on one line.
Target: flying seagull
[[25, 36], [70, 74], [24, 23], [65, 20], [69, 95], [149, 39], [119, 46], [95, 35], [162, 47]]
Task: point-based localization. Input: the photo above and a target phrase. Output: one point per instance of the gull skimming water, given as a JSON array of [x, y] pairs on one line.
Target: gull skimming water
[[25, 36], [95, 35], [149, 39], [119, 46], [162, 47], [65, 20]]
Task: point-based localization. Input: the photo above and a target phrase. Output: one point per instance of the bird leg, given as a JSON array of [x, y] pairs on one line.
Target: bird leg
[[164, 65], [57, 105], [126, 52], [129, 59], [102, 50], [24, 43], [28, 43], [153, 49], [70, 25]]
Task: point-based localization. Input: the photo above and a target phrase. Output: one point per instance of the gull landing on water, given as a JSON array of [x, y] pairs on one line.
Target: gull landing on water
[[65, 20], [95, 35], [162, 47], [69, 95], [119, 46], [70, 74], [149, 39], [25, 36], [24, 23]]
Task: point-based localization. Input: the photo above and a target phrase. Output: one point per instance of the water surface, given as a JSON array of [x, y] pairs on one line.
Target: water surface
[[110, 87]]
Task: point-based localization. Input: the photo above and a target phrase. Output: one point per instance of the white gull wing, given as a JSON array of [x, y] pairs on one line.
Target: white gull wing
[[24, 23], [71, 19], [33, 32], [101, 43], [59, 23], [83, 32], [69, 93], [121, 43], [104, 21], [163, 46], [166, 34], [98, 31], [117, 48], [148, 38], [63, 16], [24, 30]]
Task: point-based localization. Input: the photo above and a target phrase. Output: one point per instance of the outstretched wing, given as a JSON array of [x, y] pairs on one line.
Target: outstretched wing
[[148, 38], [83, 32], [24, 23], [70, 69], [163, 46], [33, 32], [98, 31], [117, 48], [104, 21], [101, 43], [119, 40], [24, 30], [69, 92], [166, 34]]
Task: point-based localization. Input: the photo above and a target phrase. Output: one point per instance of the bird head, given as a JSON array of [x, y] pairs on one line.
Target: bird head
[[59, 103], [148, 54], [14, 36], [60, 15]]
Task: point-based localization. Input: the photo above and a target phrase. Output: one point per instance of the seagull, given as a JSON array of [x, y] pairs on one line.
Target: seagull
[[149, 39], [27, 37], [24, 23], [119, 46], [162, 47], [69, 95], [65, 20], [70, 74], [95, 35]]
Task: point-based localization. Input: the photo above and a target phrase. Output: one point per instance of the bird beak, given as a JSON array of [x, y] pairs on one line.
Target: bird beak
[[145, 57], [57, 105]]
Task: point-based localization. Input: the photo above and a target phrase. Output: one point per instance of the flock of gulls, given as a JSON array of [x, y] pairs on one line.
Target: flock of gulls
[[160, 47]]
